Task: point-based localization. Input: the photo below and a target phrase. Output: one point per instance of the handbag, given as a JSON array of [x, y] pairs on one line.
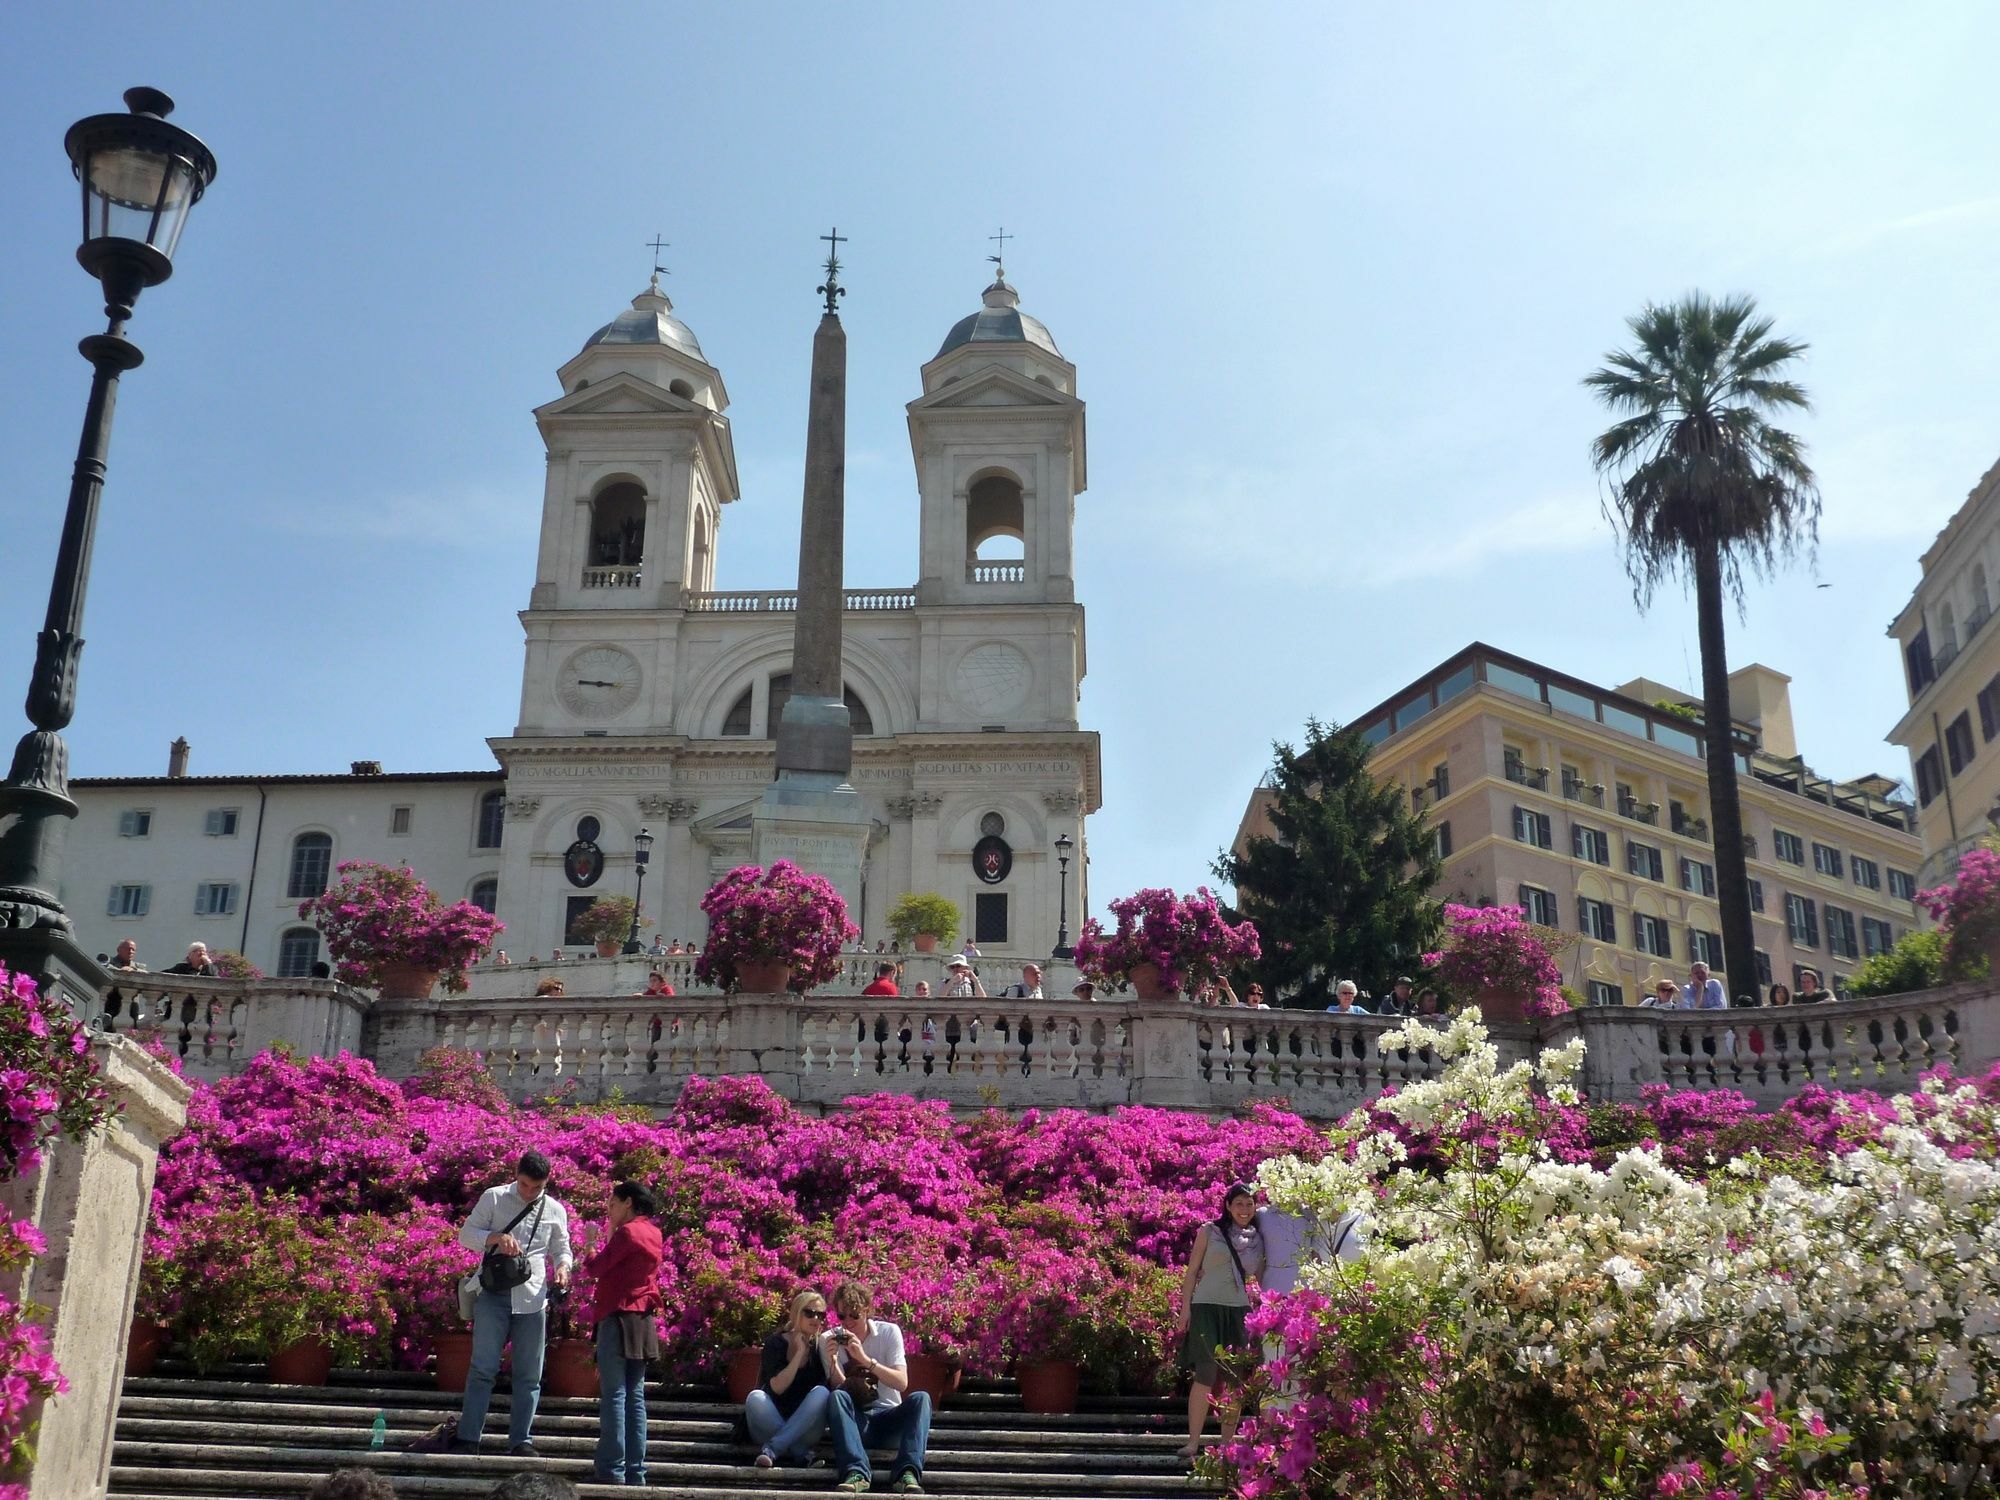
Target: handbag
[[498, 1271]]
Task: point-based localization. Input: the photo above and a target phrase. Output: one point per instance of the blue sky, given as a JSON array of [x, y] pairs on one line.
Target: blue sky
[[1329, 275]]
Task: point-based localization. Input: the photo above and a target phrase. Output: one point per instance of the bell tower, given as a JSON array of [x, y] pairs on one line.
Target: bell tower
[[999, 446]]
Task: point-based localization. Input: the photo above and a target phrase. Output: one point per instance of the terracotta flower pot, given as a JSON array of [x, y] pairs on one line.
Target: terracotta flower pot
[[745, 1365], [608, 947], [762, 976], [454, 1359], [1502, 1005], [1049, 1386], [570, 1368], [1148, 982], [933, 1373], [307, 1362], [925, 942], [144, 1345], [405, 981]]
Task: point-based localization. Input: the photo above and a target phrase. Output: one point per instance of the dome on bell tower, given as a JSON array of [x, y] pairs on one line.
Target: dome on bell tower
[[999, 321], [650, 320]]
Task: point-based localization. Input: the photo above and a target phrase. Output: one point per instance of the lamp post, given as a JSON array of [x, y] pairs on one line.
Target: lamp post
[[140, 178], [1062, 948], [642, 855]]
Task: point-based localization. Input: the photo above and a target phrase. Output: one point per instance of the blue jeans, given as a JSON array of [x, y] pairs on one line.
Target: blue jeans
[[621, 1407], [495, 1324], [789, 1438], [907, 1423]]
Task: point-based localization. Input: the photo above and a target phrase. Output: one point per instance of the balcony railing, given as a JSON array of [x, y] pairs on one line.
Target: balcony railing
[[785, 601], [1692, 828], [996, 572], [618, 576], [1589, 795], [1536, 778], [1640, 812]]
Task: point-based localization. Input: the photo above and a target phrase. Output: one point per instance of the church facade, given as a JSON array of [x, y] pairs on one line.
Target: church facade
[[648, 697]]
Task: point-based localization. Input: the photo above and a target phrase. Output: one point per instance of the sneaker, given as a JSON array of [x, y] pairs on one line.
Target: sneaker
[[854, 1484], [907, 1484], [523, 1450], [766, 1459]]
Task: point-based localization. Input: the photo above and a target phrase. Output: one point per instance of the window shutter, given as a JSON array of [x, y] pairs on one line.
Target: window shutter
[[1812, 922], [145, 900], [111, 903]]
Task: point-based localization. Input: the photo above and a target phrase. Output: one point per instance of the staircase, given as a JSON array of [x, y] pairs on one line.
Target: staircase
[[183, 1437]]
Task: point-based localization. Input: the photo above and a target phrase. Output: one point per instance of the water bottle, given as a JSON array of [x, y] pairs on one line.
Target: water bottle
[[379, 1434]]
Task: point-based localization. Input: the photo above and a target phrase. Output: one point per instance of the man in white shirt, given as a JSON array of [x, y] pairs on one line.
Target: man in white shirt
[[960, 982], [518, 1218], [1289, 1240], [1701, 992], [898, 1415], [1030, 987]]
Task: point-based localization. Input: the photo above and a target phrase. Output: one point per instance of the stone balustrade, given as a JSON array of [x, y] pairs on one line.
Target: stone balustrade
[[601, 1040], [626, 974]]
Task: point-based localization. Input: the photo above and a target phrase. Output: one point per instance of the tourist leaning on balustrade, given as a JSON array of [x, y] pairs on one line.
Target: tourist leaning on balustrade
[[522, 1232], [625, 1271], [786, 1414]]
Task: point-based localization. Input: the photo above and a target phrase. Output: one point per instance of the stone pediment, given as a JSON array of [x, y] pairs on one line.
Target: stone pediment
[[995, 385], [622, 394], [727, 826]]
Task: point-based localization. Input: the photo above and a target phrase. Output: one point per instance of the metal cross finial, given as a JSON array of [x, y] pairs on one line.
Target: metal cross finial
[[1000, 238], [833, 289], [656, 245]]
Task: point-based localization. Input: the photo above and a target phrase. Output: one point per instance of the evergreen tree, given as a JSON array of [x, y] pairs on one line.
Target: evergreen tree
[[1344, 889]]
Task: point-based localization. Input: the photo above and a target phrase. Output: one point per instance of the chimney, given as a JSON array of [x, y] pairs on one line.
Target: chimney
[[365, 767], [177, 758]]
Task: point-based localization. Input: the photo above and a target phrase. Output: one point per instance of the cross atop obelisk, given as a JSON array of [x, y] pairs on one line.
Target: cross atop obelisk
[[810, 814]]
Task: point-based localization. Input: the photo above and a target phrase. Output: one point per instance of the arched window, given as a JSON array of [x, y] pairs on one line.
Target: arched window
[[781, 693], [618, 526], [738, 721], [486, 893], [701, 570], [298, 951], [996, 521], [1947, 629], [492, 817], [312, 866]]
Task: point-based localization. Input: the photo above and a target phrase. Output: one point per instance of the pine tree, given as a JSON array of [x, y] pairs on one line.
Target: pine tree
[[1344, 889]]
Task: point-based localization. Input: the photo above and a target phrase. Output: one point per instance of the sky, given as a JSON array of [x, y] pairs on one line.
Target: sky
[[1330, 275]]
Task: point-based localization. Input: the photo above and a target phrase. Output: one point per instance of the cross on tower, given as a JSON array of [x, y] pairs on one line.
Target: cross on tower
[[656, 245], [1000, 238], [833, 289]]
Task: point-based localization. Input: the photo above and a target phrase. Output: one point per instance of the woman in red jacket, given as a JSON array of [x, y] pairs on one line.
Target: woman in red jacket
[[626, 1273]]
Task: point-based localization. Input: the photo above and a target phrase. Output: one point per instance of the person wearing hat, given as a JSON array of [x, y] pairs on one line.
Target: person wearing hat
[[1083, 989], [960, 982], [1402, 1000]]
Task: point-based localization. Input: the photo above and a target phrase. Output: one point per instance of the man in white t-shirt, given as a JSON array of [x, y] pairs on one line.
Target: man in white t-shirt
[[1288, 1241], [897, 1415]]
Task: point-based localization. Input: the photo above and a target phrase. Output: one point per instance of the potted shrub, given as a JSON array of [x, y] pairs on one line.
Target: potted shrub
[[1165, 943], [389, 931], [770, 929], [924, 919], [232, 965], [1496, 958], [1967, 909], [608, 923], [741, 1318]]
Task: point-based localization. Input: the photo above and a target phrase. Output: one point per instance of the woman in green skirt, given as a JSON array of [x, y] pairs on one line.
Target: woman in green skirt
[[1228, 1255]]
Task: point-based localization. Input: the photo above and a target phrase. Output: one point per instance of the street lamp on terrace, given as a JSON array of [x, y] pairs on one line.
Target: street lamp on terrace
[[1062, 948], [642, 855]]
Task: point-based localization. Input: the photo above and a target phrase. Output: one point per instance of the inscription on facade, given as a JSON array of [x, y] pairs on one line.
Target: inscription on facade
[[600, 771], [996, 767]]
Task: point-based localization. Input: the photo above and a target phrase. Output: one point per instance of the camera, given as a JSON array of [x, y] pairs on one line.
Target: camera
[[843, 1336]]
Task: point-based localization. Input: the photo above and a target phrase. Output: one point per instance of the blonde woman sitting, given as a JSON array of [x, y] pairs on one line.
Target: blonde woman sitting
[[787, 1411]]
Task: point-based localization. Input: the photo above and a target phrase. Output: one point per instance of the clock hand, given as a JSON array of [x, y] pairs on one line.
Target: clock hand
[[594, 682]]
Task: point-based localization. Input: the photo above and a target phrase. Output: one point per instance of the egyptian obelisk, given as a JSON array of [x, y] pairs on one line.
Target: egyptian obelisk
[[810, 814]]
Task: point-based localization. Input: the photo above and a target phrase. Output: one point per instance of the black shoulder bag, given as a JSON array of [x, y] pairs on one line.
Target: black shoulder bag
[[501, 1272]]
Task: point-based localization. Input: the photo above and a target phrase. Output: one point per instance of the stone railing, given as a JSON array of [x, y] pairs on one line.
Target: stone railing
[[625, 975], [214, 1026], [1017, 1054], [996, 572], [781, 601], [612, 576]]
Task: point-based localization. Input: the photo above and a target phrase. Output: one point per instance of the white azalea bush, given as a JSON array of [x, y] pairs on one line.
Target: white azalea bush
[[1530, 1321]]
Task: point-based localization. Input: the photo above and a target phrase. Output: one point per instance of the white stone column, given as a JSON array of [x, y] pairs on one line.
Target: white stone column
[[91, 1200]]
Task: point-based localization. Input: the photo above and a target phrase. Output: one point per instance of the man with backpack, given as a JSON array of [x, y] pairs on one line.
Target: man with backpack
[[522, 1234]]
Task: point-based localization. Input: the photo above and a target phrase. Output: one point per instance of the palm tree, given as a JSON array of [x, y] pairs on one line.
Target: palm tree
[[1700, 481]]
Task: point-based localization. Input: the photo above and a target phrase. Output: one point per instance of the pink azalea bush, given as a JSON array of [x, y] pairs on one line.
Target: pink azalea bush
[[374, 917], [1186, 938], [1491, 949], [1968, 909], [783, 914], [49, 1088]]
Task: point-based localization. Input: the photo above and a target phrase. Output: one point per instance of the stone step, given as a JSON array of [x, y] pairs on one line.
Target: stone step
[[578, 1439], [1143, 1415], [262, 1458], [141, 1483]]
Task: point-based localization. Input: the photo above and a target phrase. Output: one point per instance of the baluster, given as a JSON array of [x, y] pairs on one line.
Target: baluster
[[985, 1046], [587, 1058]]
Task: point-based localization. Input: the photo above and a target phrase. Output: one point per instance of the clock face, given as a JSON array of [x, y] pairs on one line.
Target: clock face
[[598, 682], [992, 679]]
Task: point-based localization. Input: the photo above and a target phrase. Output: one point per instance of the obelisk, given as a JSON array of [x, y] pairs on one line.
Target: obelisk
[[810, 814]]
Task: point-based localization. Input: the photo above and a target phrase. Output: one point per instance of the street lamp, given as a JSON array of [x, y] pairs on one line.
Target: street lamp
[[642, 855], [1062, 948], [140, 177]]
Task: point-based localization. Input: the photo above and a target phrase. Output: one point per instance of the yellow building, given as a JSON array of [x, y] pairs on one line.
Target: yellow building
[[1951, 664], [1589, 807]]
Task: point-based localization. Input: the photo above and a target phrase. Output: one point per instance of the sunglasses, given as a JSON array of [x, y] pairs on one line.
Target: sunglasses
[[813, 1312]]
